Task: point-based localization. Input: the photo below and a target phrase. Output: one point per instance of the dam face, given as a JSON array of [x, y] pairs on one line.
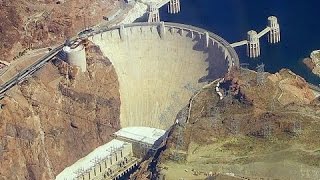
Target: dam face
[[160, 69]]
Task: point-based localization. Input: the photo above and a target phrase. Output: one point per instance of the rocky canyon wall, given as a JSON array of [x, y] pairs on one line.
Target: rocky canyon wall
[[54, 118]]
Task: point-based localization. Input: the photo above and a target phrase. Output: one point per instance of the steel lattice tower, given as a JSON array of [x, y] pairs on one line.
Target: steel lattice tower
[[260, 75]]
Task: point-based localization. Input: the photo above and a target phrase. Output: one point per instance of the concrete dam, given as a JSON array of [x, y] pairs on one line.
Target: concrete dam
[[160, 66]]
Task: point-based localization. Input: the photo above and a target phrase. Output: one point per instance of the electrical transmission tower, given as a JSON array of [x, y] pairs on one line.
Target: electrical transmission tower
[[273, 106], [96, 160], [267, 129], [190, 88], [164, 118], [228, 96], [261, 75], [179, 144], [144, 149], [79, 172], [234, 127], [244, 72], [215, 117], [297, 127], [244, 67]]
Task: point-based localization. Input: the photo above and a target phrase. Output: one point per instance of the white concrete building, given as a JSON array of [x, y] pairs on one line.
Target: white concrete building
[[144, 135], [101, 161], [115, 158]]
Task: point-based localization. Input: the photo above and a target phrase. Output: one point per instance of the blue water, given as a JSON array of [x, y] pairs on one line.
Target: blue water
[[299, 22]]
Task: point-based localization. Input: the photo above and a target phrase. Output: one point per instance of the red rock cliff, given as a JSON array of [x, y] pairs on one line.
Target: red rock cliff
[[51, 120]]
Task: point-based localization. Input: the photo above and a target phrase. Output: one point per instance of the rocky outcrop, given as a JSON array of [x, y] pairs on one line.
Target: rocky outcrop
[[293, 88], [251, 123], [313, 63], [51, 120], [32, 24]]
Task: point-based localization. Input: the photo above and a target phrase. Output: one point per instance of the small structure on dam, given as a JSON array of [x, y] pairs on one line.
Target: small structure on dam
[[253, 40], [117, 157]]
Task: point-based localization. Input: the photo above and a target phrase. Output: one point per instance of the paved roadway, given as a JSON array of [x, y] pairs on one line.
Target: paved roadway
[[41, 62], [28, 71]]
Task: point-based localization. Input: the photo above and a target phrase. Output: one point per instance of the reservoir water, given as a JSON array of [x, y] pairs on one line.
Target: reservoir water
[[231, 19]]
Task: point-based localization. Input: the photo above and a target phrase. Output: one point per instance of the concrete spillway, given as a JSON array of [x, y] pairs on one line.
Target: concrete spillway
[[160, 69]]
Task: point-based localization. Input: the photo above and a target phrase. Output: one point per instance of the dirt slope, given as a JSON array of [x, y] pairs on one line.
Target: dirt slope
[[268, 130]]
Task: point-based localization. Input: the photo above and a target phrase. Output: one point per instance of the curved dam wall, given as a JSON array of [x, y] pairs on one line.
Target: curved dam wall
[[160, 66]]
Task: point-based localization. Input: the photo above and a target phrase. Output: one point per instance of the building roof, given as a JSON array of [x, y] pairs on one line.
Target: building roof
[[88, 161], [142, 134]]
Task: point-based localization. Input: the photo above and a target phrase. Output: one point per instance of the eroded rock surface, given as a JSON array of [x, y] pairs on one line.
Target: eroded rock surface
[[33, 24], [52, 119]]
